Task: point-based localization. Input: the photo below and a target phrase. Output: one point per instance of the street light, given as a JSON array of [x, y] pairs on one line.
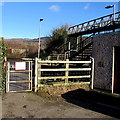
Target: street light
[[39, 39], [112, 6]]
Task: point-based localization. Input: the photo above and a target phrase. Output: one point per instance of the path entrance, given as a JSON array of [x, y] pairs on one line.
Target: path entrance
[[19, 76]]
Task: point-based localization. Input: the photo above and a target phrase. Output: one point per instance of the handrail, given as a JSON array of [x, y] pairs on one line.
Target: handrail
[[83, 41], [100, 22], [81, 45], [93, 20], [63, 46], [89, 26]]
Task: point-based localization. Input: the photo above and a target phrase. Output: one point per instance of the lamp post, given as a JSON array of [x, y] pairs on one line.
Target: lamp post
[[39, 39], [112, 6]]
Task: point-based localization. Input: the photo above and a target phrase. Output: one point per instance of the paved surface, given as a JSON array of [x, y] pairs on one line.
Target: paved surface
[[29, 105]]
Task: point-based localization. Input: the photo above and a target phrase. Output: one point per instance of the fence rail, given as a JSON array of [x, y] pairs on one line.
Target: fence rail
[[62, 71]]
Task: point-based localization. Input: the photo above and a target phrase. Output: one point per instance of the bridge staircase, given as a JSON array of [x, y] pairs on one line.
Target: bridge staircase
[[83, 50], [80, 51]]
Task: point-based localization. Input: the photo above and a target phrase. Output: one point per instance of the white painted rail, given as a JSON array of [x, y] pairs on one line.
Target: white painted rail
[[40, 68]]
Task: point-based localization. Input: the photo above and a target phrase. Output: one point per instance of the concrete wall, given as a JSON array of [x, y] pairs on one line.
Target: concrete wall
[[103, 54]]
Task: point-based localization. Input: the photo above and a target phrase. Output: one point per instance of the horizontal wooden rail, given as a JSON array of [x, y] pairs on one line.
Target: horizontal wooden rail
[[70, 69], [70, 62], [63, 77], [51, 70]]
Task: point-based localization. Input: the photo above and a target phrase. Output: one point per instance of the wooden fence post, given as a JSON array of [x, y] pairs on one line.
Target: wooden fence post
[[67, 71], [36, 74]]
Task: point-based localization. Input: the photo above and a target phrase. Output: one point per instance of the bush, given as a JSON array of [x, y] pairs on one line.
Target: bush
[[2, 65], [59, 36]]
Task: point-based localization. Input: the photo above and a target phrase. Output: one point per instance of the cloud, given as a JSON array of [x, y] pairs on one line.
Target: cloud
[[86, 7], [54, 8]]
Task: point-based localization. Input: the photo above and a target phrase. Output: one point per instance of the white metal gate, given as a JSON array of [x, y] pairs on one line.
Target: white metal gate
[[19, 76]]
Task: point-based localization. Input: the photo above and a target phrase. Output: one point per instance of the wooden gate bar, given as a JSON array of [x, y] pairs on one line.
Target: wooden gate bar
[[63, 77], [39, 71]]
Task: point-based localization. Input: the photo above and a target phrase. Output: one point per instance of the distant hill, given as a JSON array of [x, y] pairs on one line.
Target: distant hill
[[20, 47], [44, 41]]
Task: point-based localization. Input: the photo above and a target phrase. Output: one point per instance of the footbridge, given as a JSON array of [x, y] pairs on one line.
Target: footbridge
[[78, 47], [96, 25]]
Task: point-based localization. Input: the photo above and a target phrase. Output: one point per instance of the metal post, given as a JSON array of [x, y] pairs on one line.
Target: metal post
[[113, 12], [39, 42], [29, 83], [77, 43], [8, 78], [92, 73], [112, 6], [31, 74], [69, 46], [39, 45]]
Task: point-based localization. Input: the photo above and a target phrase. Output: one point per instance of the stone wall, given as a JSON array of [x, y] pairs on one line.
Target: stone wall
[[103, 54]]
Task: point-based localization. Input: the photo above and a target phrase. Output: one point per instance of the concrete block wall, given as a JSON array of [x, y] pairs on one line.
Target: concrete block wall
[[103, 54]]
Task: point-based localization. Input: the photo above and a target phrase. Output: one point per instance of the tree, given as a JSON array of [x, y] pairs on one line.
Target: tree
[[3, 49], [58, 38]]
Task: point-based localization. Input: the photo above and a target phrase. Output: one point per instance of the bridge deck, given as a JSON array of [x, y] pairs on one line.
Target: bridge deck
[[97, 25]]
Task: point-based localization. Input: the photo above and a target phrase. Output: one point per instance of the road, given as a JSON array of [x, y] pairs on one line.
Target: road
[[30, 105]]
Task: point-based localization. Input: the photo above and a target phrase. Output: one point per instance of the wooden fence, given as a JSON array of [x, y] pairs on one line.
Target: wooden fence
[[63, 71]]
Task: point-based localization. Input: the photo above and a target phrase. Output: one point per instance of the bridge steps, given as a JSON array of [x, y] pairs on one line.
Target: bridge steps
[[83, 50]]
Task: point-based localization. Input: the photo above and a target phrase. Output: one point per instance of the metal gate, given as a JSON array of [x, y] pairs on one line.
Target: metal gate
[[19, 76]]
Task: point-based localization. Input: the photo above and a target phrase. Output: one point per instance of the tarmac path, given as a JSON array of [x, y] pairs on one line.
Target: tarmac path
[[30, 105]]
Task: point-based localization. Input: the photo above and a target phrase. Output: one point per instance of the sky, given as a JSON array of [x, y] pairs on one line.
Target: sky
[[21, 19]]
